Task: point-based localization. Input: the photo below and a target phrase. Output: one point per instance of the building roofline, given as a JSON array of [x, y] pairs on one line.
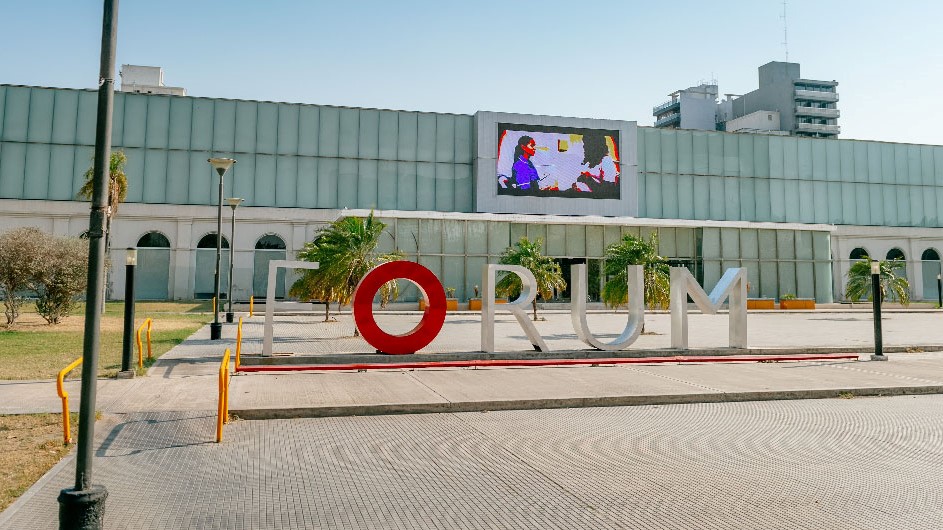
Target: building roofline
[[244, 100], [815, 82]]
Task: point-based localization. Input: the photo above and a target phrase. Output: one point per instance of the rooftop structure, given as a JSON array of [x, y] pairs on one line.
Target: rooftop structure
[[788, 103], [147, 80]]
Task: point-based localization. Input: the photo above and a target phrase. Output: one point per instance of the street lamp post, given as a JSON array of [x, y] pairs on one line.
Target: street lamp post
[[234, 202], [939, 290], [131, 261], [82, 507], [876, 307], [221, 165]]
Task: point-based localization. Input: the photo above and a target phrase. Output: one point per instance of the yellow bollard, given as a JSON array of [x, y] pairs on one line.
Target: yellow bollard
[[223, 405], [66, 434], [149, 354], [140, 348], [251, 306], [238, 342], [213, 307], [147, 322]]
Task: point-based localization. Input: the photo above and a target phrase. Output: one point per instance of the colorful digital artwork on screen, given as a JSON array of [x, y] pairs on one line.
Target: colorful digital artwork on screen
[[547, 161]]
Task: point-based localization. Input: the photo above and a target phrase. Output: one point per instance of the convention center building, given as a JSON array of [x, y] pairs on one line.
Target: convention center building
[[456, 190]]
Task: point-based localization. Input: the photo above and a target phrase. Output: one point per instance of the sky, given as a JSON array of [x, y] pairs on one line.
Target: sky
[[594, 59]]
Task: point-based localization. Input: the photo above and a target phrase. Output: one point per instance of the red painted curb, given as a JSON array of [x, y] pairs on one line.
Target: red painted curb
[[546, 362]]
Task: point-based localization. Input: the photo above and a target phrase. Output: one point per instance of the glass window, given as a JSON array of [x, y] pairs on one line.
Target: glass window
[[209, 241], [158, 240], [270, 242]]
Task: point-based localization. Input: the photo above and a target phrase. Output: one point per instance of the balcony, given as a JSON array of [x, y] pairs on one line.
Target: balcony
[[674, 104], [815, 95], [671, 119], [817, 128], [817, 113]]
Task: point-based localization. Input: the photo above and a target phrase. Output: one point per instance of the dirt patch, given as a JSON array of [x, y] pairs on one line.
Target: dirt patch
[[30, 444]]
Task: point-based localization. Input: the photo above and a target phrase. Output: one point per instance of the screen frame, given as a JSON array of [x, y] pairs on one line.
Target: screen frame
[[487, 199], [503, 128]]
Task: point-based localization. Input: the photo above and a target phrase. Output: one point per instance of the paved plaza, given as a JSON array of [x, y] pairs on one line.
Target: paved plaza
[[720, 445], [862, 463], [308, 334]]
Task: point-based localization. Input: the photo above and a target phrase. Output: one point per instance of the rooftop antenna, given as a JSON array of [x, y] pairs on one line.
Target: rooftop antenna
[[785, 32]]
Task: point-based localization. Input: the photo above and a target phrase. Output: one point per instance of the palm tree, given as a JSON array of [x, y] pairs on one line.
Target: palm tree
[[859, 281], [345, 252], [634, 250], [545, 269], [117, 192], [117, 189]]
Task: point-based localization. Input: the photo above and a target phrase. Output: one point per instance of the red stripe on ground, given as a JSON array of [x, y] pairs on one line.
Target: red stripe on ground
[[546, 362]]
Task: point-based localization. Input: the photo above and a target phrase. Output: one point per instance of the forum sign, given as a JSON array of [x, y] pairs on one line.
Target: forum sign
[[732, 288]]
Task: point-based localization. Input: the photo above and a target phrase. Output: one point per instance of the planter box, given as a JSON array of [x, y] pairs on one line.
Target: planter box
[[799, 303], [451, 304], [761, 303], [475, 303]]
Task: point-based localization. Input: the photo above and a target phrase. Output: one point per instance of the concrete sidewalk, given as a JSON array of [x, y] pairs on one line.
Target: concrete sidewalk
[[184, 379], [166, 420]]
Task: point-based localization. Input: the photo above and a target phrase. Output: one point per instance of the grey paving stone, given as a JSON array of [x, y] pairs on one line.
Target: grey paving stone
[[859, 464]]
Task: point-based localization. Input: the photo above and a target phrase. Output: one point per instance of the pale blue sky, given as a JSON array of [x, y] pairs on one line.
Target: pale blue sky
[[601, 59]]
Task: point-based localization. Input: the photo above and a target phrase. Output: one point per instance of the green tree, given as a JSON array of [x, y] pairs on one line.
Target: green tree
[[634, 250], [117, 192], [62, 276], [345, 251], [117, 189], [859, 281], [22, 253], [545, 269]]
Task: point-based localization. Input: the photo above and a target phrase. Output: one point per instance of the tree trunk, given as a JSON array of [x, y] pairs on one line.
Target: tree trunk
[[534, 303], [327, 311], [107, 260]]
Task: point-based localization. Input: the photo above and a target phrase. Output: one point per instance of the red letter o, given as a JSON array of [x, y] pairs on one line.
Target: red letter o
[[432, 319]]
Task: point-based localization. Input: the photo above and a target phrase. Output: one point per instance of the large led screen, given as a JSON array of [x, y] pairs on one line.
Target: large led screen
[[548, 161]]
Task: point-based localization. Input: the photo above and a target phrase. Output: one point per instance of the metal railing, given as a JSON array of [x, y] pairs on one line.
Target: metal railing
[[661, 108], [668, 119], [66, 433], [147, 322], [238, 342], [223, 405]]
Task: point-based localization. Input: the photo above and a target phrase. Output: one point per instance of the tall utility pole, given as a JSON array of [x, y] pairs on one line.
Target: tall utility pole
[[83, 507], [785, 32]]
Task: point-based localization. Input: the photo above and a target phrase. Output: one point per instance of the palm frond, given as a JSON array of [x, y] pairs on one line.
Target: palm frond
[[892, 282], [634, 250]]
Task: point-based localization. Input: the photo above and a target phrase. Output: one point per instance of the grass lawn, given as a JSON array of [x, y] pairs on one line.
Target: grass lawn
[[33, 349], [30, 444]]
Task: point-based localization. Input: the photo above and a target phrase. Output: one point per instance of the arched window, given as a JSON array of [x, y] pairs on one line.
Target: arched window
[[930, 268], [153, 240], [209, 241], [270, 242], [858, 253], [896, 253], [269, 247]]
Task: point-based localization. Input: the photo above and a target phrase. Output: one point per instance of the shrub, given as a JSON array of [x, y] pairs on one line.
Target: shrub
[[22, 251], [62, 277]]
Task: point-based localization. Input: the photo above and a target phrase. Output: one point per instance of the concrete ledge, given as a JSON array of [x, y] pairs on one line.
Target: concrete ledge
[[582, 402], [358, 358]]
